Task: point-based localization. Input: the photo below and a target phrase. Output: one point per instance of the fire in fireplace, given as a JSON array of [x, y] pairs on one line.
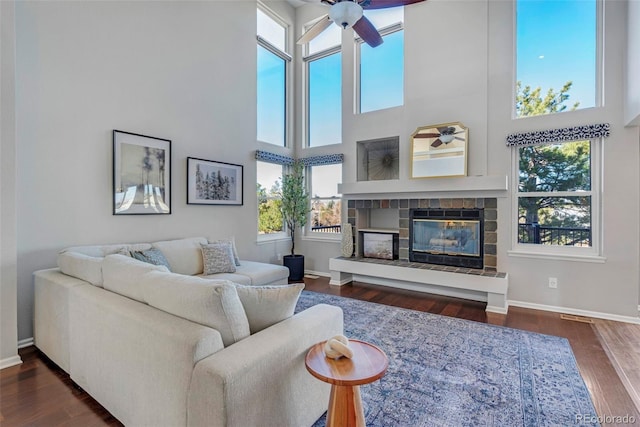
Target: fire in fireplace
[[447, 236]]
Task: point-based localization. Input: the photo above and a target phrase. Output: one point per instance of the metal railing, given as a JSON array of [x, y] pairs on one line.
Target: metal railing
[[327, 228], [561, 236]]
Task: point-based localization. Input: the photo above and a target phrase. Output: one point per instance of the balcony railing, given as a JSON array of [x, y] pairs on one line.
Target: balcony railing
[[326, 228], [561, 236]]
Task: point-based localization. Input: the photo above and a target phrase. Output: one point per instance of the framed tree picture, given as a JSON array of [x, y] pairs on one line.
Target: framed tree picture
[[213, 183], [141, 174]]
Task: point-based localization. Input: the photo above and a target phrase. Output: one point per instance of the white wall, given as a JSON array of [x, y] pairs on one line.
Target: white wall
[[185, 71], [632, 106], [8, 256], [459, 67]]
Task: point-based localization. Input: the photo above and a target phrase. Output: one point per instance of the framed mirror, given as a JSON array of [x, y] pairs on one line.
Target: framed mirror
[[439, 151]]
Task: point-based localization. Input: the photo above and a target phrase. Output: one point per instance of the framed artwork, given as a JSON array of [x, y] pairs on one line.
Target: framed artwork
[[141, 174], [439, 151], [213, 183]]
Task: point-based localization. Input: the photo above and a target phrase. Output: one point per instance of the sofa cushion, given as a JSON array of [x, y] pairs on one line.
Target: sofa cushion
[[122, 275], [268, 305], [232, 277], [85, 267], [218, 258], [152, 256], [262, 273], [184, 255], [213, 303], [231, 240]]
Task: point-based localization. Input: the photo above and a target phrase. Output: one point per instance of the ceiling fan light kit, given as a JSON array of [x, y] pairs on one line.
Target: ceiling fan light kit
[[345, 13]]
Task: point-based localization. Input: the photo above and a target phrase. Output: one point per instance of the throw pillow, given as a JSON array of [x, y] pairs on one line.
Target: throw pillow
[[184, 255], [218, 258], [212, 303], [152, 256], [268, 305], [82, 266], [231, 240]]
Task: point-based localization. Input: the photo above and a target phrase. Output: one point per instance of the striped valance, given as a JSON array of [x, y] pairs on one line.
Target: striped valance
[[328, 159], [577, 133]]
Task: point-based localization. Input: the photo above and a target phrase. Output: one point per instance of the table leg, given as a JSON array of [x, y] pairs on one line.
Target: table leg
[[345, 407]]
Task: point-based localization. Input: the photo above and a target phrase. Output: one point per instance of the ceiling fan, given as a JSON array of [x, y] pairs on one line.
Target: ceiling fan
[[348, 13], [445, 135]]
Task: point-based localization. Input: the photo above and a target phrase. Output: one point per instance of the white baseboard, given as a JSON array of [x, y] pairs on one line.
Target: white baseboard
[[10, 361], [317, 273], [25, 342], [575, 311]]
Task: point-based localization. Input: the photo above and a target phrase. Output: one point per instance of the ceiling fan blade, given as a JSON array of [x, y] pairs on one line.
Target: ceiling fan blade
[[437, 143], [365, 29], [427, 135], [315, 30], [383, 4]]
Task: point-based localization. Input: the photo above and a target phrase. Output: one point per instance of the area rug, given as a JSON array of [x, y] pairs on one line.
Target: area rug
[[450, 372]]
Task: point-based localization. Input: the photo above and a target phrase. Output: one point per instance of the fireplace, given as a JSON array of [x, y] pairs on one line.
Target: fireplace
[[447, 236]]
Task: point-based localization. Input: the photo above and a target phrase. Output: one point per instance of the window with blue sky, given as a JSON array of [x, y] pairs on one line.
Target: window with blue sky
[[324, 89], [556, 44], [381, 69], [271, 80]]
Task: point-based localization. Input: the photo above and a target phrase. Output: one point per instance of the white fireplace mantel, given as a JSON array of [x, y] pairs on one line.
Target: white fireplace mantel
[[467, 186]]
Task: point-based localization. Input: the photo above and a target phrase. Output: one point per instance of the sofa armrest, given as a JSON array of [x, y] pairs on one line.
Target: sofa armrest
[[262, 380], [135, 360]]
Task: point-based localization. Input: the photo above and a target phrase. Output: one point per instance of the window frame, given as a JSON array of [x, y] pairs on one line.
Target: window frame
[[571, 253], [599, 100], [271, 237], [357, 100], [309, 234], [307, 59], [288, 72]]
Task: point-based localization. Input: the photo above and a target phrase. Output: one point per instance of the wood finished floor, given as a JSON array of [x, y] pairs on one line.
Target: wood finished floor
[[38, 393]]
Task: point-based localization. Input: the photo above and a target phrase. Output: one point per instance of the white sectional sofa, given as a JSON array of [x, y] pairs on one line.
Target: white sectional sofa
[[161, 348]]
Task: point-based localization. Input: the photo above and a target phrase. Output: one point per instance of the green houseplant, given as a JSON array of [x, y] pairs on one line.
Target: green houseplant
[[295, 210]]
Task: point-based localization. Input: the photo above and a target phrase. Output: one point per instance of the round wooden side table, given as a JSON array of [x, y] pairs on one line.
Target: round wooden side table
[[368, 364]]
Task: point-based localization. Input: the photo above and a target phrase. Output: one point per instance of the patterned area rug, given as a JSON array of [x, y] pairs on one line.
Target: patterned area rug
[[450, 372]]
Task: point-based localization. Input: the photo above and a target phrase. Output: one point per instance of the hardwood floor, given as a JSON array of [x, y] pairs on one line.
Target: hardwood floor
[[38, 393]]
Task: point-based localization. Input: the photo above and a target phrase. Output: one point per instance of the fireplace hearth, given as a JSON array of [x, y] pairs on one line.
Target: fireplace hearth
[[447, 237]]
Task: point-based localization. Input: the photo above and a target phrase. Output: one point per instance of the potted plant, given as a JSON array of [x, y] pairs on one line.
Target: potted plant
[[295, 209]]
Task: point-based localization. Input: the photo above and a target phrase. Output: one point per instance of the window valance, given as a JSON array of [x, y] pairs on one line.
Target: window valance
[[600, 130], [328, 159]]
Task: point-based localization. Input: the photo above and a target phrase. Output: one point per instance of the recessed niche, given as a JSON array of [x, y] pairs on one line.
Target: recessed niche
[[379, 159]]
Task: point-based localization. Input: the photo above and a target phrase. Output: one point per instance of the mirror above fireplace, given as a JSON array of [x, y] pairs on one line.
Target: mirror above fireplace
[[439, 151]]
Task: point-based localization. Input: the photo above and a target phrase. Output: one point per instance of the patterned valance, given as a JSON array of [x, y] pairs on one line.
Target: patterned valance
[[577, 133], [328, 159], [278, 159]]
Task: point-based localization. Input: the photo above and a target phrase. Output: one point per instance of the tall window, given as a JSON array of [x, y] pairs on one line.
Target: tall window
[[380, 74], [556, 55], [326, 204], [272, 80], [324, 89], [557, 194], [269, 181]]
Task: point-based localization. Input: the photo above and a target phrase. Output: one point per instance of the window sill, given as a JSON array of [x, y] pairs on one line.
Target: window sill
[[558, 257], [264, 239]]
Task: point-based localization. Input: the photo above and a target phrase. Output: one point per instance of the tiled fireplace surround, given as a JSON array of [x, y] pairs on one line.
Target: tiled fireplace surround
[[358, 216]]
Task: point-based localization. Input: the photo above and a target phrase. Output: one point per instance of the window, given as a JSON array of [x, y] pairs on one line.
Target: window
[[269, 179], [326, 204], [272, 80], [557, 196], [556, 56], [381, 70], [324, 89]]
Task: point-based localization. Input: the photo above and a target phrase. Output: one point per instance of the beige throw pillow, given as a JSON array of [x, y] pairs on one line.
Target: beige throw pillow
[[268, 305]]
